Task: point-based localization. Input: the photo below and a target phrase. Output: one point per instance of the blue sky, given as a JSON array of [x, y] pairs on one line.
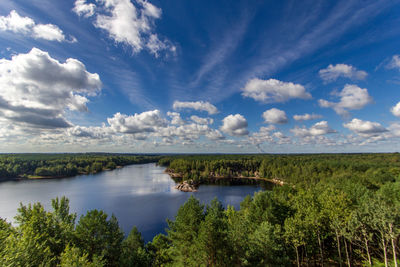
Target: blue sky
[[199, 76]]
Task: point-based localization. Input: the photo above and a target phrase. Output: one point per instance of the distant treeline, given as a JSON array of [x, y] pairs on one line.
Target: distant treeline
[[372, 170], [63, 165]]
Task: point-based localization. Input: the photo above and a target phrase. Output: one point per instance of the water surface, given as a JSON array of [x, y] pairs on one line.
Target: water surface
[[138, 195]]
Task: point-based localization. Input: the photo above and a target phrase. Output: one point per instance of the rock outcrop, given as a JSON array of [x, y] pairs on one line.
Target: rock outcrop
[[186, 186]]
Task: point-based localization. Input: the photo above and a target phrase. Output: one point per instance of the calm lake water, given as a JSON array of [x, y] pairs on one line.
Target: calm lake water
[[138, 195]]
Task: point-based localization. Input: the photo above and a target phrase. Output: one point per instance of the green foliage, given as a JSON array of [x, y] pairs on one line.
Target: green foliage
[[372, 170], [40, 236], [212, 242], [160, 251], [50, 238], [73, 256], [64, 165], [98, 235], [184, 231], [266, 246], [134, 253], [334, 209]]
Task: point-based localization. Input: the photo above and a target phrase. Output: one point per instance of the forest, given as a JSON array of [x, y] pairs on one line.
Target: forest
[[372, 170], [333, 210], [64, 165]]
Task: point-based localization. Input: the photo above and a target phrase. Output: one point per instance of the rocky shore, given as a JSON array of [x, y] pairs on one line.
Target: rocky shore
[[190, 186], [186, 186]]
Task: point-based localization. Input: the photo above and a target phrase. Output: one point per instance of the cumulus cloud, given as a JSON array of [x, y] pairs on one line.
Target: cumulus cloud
[[319, 128], [396, 110], [394, 129], [127, 23], [394, 63], [82, 8], [187, 133], [333, 72], [365, 128], [275, 116], [200, 120], [37, 89], [92, 132], [27, 26], [351, 97], [48, 32], [271, 91], [198, 105], [306, 117], [267, 135], [281, 138], [148, 121], [215, 135], [264, 134], [175, 118], [235, 125]]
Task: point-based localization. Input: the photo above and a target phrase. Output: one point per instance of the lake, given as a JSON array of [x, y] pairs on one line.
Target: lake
[[138, 195]]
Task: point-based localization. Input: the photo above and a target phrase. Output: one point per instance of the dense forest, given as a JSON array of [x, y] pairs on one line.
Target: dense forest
[[64, 165], [372, 170], [333, 210]]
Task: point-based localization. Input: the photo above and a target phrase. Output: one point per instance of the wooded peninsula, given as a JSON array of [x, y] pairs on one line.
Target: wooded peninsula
[[330, 209], [36, 166]]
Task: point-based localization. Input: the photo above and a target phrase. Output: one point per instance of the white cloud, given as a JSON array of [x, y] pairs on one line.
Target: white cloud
[[319, 128], [263, 135], [396, 110], [351, 97], [394, 129], [332, 73], [271, 91], [148, 121], [200, 120], [394, 63], [266, 135], [215, 135], [187, 133], [365, 128], [155, 45], [275, 115], [27, 26], [48, 32], [235, 125], [175, 118], [264, 132], [199, 105], [91, 132], [81, 8], [126, 23], [306, 117], [37, 89], [15, 23], [281, 138]]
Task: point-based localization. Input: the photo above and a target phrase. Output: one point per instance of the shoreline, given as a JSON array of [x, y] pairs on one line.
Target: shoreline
[[37, 177], [189, 186]]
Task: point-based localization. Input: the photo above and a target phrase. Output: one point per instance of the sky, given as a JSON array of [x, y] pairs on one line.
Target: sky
[[204, 76]]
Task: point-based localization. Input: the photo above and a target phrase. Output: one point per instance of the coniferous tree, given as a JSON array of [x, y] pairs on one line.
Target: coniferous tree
[[184, 230], [99, 236]]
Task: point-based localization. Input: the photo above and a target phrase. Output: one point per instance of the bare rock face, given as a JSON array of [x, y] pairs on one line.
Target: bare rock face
[[277, 181], [185, 186]]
